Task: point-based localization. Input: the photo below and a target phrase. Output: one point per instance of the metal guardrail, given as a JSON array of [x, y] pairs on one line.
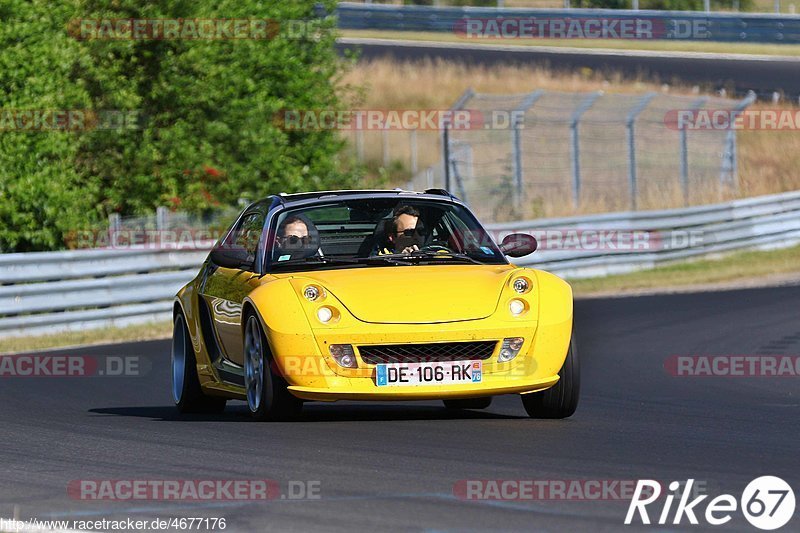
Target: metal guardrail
[[764, 222], [671, 25], [57, 291]]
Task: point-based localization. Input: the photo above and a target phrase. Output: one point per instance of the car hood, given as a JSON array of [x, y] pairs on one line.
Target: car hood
[[421, 294]]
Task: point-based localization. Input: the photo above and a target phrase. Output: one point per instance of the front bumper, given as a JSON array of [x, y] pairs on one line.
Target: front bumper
[[312, 374], [365, 389]]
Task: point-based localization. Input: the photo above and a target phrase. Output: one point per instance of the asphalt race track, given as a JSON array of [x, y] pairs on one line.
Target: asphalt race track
[[394, 466], [739, 73]]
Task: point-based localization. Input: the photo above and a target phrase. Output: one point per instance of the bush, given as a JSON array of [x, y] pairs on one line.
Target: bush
[[207, 136]]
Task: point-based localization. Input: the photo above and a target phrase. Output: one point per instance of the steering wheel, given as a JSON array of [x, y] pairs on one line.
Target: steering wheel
[[435, 248]]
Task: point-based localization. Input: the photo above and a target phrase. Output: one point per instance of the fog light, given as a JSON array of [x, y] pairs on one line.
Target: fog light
[[312, 293], [510, 348], [324, 314], [517, 307], [344, 355], [521, 285]]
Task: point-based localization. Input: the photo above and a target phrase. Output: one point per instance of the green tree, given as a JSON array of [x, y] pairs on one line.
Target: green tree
[[207, 136], [41, 195]]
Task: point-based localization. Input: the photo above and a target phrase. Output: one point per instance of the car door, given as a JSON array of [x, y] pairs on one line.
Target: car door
[[224, 289]]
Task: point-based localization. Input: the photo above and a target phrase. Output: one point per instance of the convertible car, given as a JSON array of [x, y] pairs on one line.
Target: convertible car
[[371, 295]]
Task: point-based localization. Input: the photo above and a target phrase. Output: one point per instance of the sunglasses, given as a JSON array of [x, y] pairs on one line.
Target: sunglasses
[[409, 232], [295, 240]]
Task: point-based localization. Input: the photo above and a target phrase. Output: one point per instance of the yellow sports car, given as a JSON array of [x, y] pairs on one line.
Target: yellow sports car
[[371, 295]]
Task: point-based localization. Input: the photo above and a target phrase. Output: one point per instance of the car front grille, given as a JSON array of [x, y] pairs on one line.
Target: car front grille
[[420, 353]]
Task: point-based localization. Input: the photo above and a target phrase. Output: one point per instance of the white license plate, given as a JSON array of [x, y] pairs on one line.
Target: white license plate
[[411, 374]]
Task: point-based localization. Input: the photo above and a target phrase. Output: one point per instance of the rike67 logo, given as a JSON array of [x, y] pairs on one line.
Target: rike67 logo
[[767, 503]]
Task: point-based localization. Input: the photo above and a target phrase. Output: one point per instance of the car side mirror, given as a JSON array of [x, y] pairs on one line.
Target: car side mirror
[[518, 244], [231, 257]]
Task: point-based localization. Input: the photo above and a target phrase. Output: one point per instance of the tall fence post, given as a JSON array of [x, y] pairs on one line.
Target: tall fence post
[[729, 171], [385, 147], [462, 152], [516, 166], [162, 218], [114, 222], [360, 144], [446, 158], [114, 227], [575, 152], [684, 140], [413, 148], [446, 148], [629, 124], [516, 135]]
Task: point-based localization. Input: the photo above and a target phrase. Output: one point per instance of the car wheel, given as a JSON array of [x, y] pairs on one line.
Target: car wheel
[[469, 403], [561, 400], [186, 391], [267, 395]]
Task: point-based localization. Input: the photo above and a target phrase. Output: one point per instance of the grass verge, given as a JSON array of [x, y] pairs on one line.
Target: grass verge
[[139, 332], [751, 267], [621, 44]]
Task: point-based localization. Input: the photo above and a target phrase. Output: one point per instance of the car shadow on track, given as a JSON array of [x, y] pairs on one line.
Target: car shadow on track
[[311, 413]]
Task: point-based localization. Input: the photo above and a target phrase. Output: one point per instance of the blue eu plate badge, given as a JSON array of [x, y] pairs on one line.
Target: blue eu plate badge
[[381, 375]]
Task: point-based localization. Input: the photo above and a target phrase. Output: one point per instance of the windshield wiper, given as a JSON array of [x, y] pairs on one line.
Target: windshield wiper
[[316, 259], [391, 259], [425, 255], [326, 260]]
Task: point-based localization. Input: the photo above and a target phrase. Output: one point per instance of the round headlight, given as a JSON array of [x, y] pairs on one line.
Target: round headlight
[[324, 314], [311, 293], [515, 343], [517, 307], [521, 285]]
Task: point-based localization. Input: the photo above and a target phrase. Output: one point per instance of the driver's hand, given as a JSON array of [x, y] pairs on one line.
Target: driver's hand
[[409, 249]]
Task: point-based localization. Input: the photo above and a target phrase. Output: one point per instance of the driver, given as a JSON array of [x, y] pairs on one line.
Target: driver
[[403, 231]]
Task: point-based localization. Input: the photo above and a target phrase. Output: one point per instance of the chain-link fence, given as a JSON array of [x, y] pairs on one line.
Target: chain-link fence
[[165, 228], [587, 152], [166, 220]]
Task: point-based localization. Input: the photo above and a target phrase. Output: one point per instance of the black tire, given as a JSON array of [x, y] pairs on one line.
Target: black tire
[[274, 402], [186, 391], [469, 403], [561, 400]]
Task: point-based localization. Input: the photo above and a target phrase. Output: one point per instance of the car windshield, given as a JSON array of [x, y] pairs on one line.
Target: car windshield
[[378, 232]]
